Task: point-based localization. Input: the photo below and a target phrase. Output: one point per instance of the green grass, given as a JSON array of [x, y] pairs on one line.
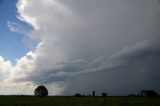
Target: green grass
[[79, 101]]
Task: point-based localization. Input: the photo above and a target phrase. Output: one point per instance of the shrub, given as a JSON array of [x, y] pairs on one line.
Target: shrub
[[104, 94], [77, 95]]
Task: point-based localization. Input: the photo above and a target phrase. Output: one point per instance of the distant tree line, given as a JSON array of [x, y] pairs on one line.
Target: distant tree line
[[41, 91], [146, 93], [93, 94]]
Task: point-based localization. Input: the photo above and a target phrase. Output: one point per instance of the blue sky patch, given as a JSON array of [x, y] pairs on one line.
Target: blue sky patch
[[12, 44]]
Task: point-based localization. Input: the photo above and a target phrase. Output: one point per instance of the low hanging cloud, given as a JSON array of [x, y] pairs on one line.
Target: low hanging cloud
[[127, 71], [102, 45]]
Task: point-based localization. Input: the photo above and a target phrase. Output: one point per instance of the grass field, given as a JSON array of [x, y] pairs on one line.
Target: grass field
[[79, 101]]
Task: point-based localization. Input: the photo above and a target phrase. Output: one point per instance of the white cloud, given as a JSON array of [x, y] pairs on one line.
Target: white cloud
[[23, 17], [15, 27], [5, 67]]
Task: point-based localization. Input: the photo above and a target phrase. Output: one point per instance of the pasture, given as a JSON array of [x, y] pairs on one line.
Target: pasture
[[78, 101]]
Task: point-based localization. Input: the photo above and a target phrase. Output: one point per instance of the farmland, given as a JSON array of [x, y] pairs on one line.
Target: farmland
[[78, 101]]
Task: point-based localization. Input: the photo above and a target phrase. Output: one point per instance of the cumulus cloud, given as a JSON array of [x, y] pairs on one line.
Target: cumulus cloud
[[102, 45], [5, 67]]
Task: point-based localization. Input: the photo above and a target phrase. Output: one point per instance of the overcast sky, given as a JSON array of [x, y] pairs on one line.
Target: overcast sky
[[79, 46]]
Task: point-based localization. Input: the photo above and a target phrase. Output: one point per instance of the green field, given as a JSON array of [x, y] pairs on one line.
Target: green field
[[80, 101]]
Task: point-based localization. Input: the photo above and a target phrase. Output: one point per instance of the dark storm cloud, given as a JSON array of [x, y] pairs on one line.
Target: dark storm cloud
[[136, 69], [92, 44], [133, 68]]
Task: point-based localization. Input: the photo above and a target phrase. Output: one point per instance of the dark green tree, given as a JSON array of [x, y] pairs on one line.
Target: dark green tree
[[41, 91]]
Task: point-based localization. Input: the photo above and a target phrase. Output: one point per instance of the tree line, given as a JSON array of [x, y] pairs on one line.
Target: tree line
[[42, 91]]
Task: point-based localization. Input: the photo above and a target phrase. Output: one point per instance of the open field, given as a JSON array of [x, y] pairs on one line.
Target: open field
[[79, 101]]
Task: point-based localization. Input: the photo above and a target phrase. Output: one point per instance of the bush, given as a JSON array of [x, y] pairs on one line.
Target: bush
[[104, 94], [77, 95], [149, 93]]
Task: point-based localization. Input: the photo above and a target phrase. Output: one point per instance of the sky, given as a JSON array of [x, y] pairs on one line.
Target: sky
[[9, 40], [77, 46]]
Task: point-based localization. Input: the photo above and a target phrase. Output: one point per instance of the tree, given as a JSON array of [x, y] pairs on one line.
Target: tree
[[104, 94], [149, 93], [93, 93], [41, 91], [77, 95]]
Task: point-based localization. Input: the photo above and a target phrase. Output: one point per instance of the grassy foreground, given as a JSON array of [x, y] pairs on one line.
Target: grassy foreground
[[79, 101]]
